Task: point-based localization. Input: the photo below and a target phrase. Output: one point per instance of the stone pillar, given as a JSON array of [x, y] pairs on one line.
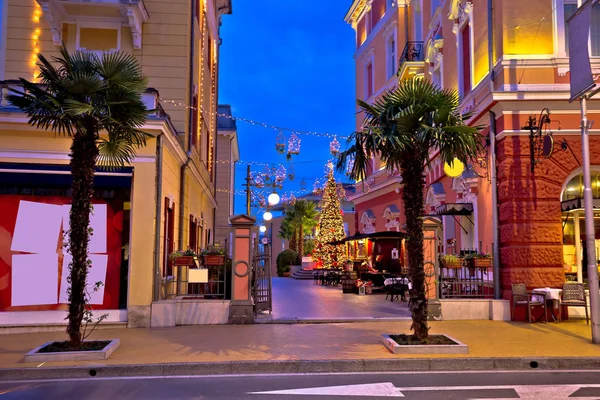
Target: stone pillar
[[241, 310]]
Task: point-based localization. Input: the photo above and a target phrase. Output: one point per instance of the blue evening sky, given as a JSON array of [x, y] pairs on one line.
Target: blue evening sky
[[288, 63]]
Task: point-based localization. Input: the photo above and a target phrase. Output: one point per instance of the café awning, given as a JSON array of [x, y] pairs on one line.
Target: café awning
[[577, 204], [454, 209]]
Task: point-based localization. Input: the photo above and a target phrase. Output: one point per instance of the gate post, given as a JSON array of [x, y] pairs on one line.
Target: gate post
[[241, 309]]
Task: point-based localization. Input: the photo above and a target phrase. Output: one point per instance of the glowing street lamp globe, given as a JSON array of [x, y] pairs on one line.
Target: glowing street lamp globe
[[262, 228], [267, 216], [455, 169], [273, 199]]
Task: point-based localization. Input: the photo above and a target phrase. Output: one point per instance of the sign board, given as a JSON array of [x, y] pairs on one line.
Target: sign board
[[578, 27], [264, 240]]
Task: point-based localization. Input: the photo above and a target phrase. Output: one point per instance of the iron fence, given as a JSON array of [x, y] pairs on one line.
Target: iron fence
[[218, 286], [466, 282], [413, 52]]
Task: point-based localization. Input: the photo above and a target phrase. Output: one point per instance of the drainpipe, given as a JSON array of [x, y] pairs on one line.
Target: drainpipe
[[157, 218], [182, 198], [492, 161]]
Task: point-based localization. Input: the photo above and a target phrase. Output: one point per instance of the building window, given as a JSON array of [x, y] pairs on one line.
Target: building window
[[465, 59], [169, 237], [193, 234], [98, 39], [563, 12], [369, 81], [391, 56]]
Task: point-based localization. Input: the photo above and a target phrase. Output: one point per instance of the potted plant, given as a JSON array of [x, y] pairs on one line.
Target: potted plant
[[184, 258], [451, 261], [213, 255], [479, 260], [286, 271]]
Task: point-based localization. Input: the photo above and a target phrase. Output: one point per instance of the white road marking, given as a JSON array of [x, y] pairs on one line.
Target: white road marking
[[386, 389], [545, 393]]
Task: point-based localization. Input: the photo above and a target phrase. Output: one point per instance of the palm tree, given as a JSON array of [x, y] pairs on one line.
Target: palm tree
[[97, 103], [403, 127], [299, 220]]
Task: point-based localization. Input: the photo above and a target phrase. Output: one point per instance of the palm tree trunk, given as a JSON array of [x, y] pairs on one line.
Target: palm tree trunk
[[293, 241], [413, 197], [301, 242], [83, 162]]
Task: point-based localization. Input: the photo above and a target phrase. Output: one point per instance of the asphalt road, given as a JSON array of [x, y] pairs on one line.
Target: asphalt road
[[551, 385]]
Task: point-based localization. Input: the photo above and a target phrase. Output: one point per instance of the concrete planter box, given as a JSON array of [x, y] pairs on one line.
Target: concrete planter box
[[34, 356], [395, 348]]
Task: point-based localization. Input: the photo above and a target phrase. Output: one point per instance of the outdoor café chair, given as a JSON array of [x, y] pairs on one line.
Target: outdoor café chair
[[521, 297], [573, 295]]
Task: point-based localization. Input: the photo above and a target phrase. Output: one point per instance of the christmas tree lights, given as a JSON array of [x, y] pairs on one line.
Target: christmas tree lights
[[330, 228]]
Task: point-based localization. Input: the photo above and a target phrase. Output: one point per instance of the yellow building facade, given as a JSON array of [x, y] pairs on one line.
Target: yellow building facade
[[164, 201]]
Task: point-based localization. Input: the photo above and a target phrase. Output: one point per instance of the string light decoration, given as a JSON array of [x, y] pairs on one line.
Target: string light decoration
[[334, 147], [255, 123], [258, 180], [35, 41], [280, 175], [350, 165], [294, 144], [291, 173], [280, 143], [330, 227]]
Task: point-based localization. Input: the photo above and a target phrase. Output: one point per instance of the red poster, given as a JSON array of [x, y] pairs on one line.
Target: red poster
[[33, 263]]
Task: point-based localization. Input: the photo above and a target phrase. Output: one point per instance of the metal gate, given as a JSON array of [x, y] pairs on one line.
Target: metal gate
[[261, 277]]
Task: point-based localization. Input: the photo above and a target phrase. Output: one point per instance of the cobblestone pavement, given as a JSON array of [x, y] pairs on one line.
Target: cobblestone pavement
[[302, 299]]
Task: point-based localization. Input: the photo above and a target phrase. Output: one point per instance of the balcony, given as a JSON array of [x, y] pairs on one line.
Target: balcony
[[412, 60], [131, 13]]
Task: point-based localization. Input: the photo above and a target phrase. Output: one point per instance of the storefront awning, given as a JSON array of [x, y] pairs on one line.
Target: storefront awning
[[454, 209], [577, 204], [372, 236]]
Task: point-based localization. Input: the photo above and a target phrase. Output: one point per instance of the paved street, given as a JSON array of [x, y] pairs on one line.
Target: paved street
[[302, 299], [411, 386]]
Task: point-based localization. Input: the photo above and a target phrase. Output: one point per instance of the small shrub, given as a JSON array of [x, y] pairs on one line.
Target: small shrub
[[285, 259]]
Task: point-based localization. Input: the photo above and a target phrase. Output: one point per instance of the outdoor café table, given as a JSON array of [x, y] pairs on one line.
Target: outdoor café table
[[397, 281], [551, 295]]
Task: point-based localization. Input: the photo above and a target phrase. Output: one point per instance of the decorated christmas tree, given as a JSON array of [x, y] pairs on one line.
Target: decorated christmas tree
[[330, 228]]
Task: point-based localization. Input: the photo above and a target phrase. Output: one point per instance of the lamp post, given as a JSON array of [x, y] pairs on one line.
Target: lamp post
[[582, 85], [590, 232]]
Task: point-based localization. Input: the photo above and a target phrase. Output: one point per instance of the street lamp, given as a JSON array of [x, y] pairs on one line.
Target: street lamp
[[267, 216], [262, 228], [273, 199]]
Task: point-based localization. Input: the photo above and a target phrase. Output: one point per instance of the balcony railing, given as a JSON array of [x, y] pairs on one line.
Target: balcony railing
[[413, 52]]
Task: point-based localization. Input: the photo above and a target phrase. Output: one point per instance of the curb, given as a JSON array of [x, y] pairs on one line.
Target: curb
[[302, 366], [293, 321]]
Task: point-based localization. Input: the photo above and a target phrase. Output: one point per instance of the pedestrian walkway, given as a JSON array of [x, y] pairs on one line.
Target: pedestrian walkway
[[344, 341], [304, 300]]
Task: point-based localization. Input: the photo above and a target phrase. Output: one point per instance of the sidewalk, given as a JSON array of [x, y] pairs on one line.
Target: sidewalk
[[319, 342]]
